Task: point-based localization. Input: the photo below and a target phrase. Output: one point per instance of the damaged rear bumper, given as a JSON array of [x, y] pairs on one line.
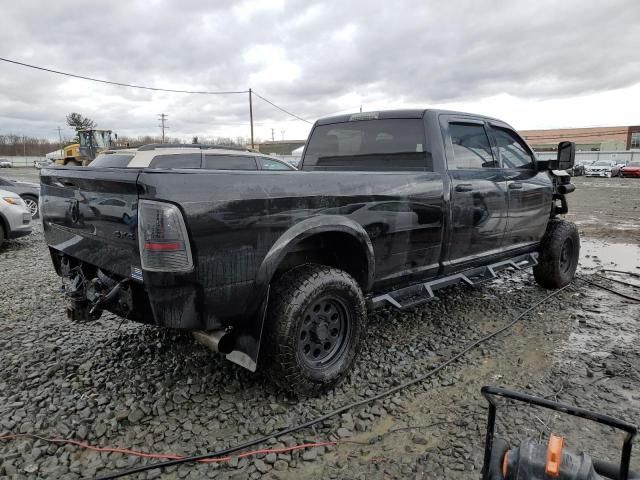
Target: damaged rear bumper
[[163, 301]]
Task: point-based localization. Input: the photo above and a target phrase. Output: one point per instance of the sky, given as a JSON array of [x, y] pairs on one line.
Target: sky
[[542, 64]]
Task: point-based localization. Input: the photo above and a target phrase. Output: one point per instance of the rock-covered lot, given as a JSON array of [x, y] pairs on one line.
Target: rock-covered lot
[[126, 385]]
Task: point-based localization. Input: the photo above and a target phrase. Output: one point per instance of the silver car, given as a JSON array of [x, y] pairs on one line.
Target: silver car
[[4, 163], [15, 217], [30, 192]]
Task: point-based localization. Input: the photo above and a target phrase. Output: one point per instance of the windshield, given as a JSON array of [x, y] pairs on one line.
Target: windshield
[[634, 164], [603, 162], [97, 138]]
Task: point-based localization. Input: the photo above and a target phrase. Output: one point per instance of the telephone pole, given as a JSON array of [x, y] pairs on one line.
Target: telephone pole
[[272, 135], [60, 136], [163, 119], [251, 117]]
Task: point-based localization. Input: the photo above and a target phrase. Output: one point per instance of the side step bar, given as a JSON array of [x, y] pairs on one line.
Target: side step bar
[[408, 297]]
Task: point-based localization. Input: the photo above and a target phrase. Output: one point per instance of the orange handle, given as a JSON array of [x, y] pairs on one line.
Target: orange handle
[[554, 455]]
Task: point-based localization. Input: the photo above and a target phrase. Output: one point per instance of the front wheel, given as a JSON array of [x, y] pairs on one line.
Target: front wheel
[[560, 252], [316, 322]]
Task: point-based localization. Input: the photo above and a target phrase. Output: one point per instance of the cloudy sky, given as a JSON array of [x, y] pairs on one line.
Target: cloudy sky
[[539, 64]]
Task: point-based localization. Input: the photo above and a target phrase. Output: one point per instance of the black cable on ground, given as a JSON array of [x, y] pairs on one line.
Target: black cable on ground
[[633, 274], [634, 285], [337, 411], [611, 290]]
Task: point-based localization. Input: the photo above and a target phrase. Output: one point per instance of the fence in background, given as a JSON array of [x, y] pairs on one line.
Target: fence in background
[[23, 161], [619, 156]]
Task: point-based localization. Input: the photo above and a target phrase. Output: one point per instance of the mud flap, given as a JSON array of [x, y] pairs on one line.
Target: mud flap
[[247, 344]]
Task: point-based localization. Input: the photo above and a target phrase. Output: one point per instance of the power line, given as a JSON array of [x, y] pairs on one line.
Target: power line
[[280, 108], [130, 85], [155, 89]]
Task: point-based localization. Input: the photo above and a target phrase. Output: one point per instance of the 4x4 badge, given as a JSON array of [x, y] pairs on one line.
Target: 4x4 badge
[[124, 235]]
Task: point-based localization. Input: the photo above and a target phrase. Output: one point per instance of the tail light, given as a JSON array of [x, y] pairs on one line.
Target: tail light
[[164, 243]]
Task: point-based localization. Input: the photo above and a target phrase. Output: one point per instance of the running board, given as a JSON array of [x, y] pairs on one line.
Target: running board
[[408, 297]]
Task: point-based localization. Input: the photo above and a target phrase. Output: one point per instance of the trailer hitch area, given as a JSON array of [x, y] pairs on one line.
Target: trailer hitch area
[[88, 298]]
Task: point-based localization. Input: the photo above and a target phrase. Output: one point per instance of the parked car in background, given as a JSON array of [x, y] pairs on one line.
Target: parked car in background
[[616, 171], [578, 168], [189, 156], [47, 162], [632, 169], [601, 168], [29, 192], [15, 217], [4, 163]]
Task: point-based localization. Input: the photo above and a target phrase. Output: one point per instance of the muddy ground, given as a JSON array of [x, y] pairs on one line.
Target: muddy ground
[[133, 386]]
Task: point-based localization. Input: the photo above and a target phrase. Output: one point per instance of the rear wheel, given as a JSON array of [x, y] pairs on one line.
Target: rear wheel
[[316, 321], [32, 205], [560, 252], [2, 234]]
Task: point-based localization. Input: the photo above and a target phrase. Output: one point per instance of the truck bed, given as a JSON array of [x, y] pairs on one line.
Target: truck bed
[[238, 222]]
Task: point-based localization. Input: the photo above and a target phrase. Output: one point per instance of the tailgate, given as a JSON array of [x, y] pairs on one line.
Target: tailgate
[[91, 214]]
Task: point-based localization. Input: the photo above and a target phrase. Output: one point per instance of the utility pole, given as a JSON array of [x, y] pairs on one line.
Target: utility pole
[[251, 117], [60, 137], [24, 146], [282, 132], [272, 136], [163, 119], [360, 108]]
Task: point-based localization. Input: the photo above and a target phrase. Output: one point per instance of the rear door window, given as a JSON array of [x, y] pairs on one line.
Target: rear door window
[[229, 162], [114, 160], [180, 160], [369, 145], [471, 147], [513, 151]]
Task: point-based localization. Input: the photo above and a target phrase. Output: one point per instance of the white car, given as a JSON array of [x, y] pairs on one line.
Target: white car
[[601, 168], [15, 217], [47, 162], [4, 163]]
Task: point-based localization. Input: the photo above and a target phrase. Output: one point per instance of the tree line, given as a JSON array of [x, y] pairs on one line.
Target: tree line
[[18, 145], [12, 145]]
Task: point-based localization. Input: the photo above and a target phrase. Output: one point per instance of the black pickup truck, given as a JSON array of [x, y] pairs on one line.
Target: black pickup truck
[[282, 265]]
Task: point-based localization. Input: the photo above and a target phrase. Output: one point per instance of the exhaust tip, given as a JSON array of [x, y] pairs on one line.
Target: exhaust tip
[[218, 341]]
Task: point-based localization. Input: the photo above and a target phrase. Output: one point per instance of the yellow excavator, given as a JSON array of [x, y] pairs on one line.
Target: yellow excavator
[[92, 142]]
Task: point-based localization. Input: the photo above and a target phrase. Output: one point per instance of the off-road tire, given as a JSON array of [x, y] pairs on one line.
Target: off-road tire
[[559, 255], [291, 321]]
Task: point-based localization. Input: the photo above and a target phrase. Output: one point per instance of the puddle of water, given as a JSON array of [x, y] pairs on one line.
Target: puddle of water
[[597, 254]]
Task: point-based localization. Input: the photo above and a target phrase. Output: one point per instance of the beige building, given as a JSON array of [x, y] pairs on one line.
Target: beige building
[[586, 139]]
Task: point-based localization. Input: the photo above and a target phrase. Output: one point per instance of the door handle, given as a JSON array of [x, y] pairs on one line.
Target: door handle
[[515, 186], [464, 187]]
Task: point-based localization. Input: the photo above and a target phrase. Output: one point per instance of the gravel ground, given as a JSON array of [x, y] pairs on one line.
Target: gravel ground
[[128, 385]]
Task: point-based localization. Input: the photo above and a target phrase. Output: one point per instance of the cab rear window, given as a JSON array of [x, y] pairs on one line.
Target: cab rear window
[[369, 145], [112, 160]]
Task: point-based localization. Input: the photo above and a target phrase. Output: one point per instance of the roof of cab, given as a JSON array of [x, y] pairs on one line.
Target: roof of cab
[[382, 114]]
